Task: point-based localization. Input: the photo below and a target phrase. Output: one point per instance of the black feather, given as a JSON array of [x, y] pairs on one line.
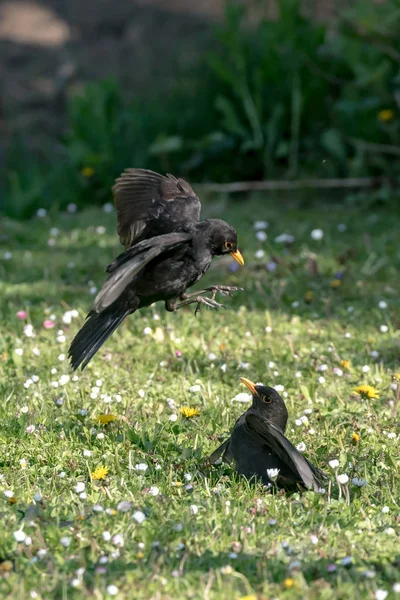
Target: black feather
[[96, 330]]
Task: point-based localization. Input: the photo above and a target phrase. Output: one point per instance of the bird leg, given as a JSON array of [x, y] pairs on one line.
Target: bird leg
[[214, 289], [199, 300]]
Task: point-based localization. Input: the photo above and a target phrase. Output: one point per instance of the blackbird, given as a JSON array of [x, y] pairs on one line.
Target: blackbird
[[259, 448], [178, 251]]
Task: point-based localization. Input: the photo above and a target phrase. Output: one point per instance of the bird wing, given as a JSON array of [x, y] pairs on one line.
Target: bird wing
[[141, 195], [224, 451], [288, 454], [126, 266]]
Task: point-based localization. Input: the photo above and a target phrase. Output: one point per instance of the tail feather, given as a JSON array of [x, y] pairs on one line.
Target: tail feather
[[96, 330]]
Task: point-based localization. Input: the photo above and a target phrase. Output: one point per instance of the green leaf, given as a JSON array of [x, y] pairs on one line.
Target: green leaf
[[231, 121], [332, 142]]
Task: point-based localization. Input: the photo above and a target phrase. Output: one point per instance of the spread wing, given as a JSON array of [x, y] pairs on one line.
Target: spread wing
[[128, 264], [224, 451], [273, 437], [142, 196]]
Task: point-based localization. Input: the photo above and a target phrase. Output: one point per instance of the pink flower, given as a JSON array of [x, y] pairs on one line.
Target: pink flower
[[22, 315], [178, 353], [47, 324], [30, 429]]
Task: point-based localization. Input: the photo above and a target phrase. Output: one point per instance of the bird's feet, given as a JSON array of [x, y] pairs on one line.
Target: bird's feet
[[199, 300], [210, 302], [228, 290]]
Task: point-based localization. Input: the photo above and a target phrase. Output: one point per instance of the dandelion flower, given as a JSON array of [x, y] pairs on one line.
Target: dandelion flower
[[367, 391], [345, 364], [335, 283], [106, 419], [87, 171], [189, 411], [386, 115], [355, 437], [100, 473], [289, 583]]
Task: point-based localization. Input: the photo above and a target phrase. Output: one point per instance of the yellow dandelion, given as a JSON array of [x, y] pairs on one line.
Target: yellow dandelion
[[249, 597], [189, 411], [88, 171], [308, 297], [12, 500], [345, 364], [386, 115], [6, 566], [289, 583], [335, 283], [106, 419], [177, 484], [367, 391], [396, 376], [140, 555], [355, 437], [100, 473]]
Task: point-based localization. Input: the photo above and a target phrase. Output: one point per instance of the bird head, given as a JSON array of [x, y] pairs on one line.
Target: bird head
[[268, 402], [223, 239]]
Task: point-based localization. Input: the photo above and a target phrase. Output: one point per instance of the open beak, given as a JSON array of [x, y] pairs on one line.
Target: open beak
[[238, 257], [250, 385]]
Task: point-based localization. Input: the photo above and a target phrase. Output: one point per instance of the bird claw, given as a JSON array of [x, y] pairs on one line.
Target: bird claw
[[228, 290], [210, 302]]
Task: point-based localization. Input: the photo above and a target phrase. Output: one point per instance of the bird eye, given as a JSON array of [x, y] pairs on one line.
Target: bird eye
[[228, 245], [267, 399]]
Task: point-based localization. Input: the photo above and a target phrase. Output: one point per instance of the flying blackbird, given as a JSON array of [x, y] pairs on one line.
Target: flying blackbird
[[175, 256], [150, 204], [260, 449]]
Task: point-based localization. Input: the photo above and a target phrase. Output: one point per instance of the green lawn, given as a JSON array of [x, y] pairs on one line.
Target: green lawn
[[179, 533]]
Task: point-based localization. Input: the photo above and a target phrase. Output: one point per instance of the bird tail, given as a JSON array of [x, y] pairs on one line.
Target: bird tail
[[96, 330]]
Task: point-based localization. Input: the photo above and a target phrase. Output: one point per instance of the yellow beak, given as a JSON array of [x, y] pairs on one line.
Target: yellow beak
[[249, 384], [238, 257]]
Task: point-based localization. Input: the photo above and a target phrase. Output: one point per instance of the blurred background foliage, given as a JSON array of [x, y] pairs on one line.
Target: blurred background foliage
[[283, 98]]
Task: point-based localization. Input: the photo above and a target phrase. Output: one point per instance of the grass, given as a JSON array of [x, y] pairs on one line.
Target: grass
[[217, 536]]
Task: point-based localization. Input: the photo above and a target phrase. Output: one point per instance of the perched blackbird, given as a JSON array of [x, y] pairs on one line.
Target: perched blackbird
[[160, 267], [260, 449]]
